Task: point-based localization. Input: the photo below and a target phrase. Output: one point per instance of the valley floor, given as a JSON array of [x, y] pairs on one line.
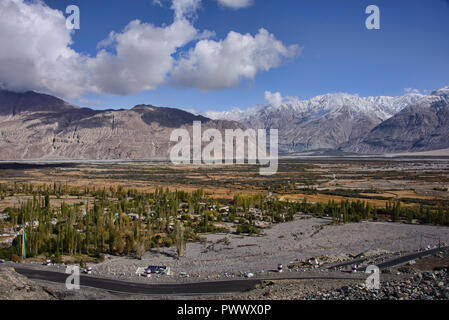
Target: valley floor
[[289, 244], [231, 256]]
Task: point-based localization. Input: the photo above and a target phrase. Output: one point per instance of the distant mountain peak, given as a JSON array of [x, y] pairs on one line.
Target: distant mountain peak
[[17, 102], [441, 92], [421, 126], [382, 107], [146, 107], [37, 126], [325, 121]]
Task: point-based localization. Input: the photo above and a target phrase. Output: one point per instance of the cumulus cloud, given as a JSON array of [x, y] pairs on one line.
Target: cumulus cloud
[[185, 8], [236, 4], [275, 99], [35, 50], [36, 54], [143, 57], [214, 65]]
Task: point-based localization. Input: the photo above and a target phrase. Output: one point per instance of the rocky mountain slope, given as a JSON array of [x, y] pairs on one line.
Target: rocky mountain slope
[[422, 126], [14, 286], [37, 126], [323, 122]]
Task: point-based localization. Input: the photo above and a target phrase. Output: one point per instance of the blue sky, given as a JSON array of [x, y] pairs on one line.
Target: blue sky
[[411, 50]]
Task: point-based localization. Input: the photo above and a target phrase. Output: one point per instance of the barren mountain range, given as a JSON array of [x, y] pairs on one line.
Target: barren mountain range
[[39, 126], [351, 123], [421, 126]]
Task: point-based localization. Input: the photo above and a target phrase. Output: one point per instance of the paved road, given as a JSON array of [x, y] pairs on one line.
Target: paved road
[[410, 257], [200, 288], [142, 288]]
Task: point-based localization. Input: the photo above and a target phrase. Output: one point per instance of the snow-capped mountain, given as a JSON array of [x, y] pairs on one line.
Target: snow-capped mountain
[[441, 92], [323, 122], [383, 107]]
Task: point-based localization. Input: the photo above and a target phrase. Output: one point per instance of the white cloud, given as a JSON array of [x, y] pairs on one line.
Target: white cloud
[[274, 99], [143, 58], [411, 90], [185, 8], [36, 54], [236, 4], [235, 114], [157, 3], [214, 65]]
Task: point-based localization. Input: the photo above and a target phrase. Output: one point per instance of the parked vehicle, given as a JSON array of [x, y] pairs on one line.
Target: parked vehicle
[[158, 270]]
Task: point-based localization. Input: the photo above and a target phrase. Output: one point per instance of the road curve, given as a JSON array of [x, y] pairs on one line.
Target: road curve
[[142, 288], [410, 257], [392, 262]]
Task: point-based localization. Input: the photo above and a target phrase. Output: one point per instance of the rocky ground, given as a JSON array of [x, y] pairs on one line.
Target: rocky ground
[[14, 286], [304, 246], [424, 279], [227, 256], [422, 286], [292, 244]]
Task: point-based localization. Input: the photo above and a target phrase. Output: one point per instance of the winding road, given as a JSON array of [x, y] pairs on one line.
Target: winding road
[[206, 287], [199, 288], [392, 262]]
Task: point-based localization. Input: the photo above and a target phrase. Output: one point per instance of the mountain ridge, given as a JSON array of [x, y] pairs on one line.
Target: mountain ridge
[[421, 126], [322, 122], [38, 126]]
